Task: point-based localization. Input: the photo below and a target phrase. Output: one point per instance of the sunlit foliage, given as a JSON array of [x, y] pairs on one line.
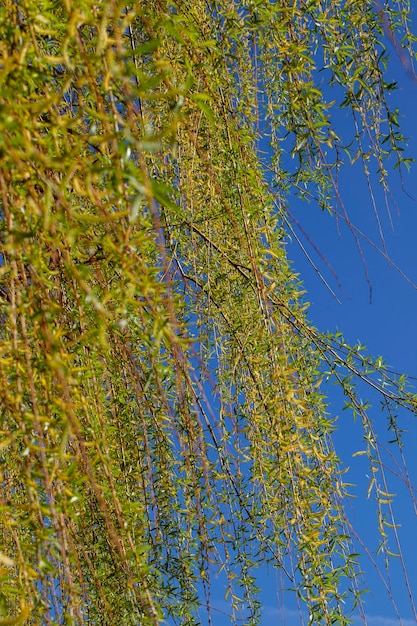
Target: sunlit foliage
[[162, 422]]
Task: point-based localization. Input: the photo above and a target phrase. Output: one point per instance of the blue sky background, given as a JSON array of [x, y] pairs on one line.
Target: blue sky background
[[387, 326]]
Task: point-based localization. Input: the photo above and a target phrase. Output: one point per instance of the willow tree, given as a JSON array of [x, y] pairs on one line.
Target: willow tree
[[162, 419]]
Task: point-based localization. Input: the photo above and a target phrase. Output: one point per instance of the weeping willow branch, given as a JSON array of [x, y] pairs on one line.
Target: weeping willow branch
[[162, 419]]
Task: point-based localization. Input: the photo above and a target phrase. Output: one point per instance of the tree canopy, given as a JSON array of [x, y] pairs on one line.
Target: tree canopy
[[162, 411]]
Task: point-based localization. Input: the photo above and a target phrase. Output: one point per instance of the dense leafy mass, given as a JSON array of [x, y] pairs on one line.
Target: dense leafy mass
[[162, 423]]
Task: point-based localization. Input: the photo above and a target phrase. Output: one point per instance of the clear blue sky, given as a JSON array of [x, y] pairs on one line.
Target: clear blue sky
[[387, 326]]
